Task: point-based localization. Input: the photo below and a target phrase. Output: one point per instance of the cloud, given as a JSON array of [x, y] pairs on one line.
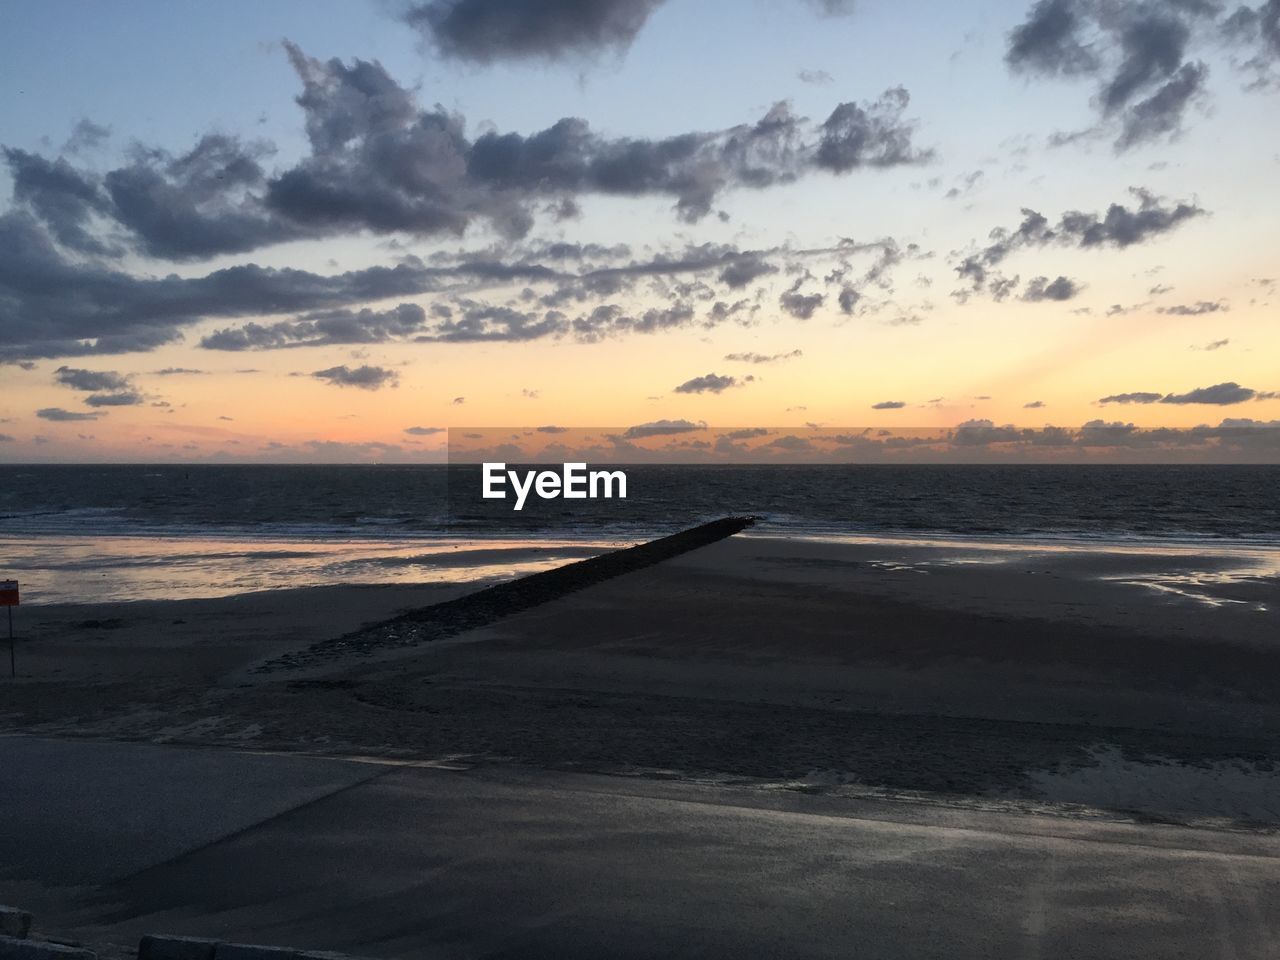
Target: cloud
[[868, 135], [1194, 309], [127, 398], [86, 136], [1049, 41], [1132, 398], [90, 380], [324, 328], [888, 405], [1213, 345], [801, 306], [1162, 112], [747, 433], [832, 8], [484, 31], [379, 162], [1034, 405], [1220, 394], [54, 304], [364, 377], [710, 383], [1138, 53], [423, 431], [816, 77], [744, 269], [763, 357], [1040, 289], [1121, 226], [176, 371], [661, 428], [108, 388], [58, 414]]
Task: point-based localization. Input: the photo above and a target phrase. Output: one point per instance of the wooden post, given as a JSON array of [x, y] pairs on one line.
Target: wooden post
[[9, 598]]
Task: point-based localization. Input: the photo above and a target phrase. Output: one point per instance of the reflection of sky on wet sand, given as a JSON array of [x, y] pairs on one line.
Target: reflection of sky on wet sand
[[1243, 586], [94, 569], [1216, 574]]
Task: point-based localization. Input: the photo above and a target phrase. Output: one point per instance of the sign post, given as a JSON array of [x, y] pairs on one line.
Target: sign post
[[9, 599]]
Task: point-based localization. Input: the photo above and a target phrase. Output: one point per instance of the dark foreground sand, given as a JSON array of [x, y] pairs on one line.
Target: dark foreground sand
[[1143, 684]]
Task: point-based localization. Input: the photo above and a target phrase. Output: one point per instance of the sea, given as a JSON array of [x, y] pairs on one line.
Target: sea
[[87, 533]]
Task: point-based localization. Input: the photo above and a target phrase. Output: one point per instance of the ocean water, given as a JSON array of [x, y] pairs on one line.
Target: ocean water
[[137, 532]]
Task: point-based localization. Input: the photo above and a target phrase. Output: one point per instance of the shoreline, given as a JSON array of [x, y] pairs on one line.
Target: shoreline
[[152, 565]]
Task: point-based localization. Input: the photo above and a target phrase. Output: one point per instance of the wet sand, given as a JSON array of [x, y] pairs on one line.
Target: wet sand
[[948, 673]]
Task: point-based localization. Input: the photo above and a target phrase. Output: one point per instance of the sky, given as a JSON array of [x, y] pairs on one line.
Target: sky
[[331, 232]]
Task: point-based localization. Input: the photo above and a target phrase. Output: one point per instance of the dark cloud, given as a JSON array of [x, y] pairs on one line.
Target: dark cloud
[[661, 428], [763, 357], [487, 30], [60, 415], [801, 306], [423, 431], [480, 322], [176, 371], [1132, 398], [127, 398], [888, 405], [323, 329], [848, 299], [1050, 41], [1213, 345], [107, 388], [710, 383], [868, 135], [1256, 26], [403, 169], [1220, 394], [1162, 112], [1120, 226], [64, 198], [1034, 405], [1194, 309], [198, 204], [1042, 288], [1151, 45], [381, 163], [747, 433], [611, 320], [1140, 54], [364, 377], [742, 270], [90, 381], [53, 304]]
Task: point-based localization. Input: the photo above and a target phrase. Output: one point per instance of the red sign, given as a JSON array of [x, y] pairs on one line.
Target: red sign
[[8, 593]]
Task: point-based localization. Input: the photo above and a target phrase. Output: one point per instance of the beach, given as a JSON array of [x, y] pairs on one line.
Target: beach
[[785, 744], [992, 671]]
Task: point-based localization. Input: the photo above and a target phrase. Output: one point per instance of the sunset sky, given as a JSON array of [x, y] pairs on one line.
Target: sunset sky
[[322, 231]]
